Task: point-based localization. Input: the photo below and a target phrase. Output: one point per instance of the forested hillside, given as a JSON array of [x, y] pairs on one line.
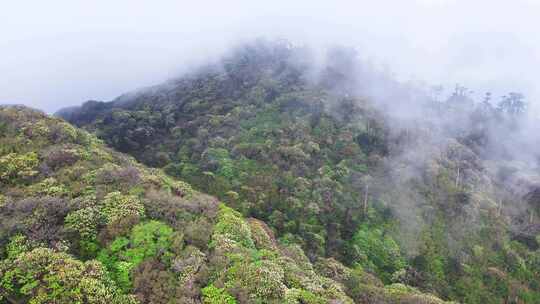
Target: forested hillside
[[81, 223], [435, 192], [331, 181]]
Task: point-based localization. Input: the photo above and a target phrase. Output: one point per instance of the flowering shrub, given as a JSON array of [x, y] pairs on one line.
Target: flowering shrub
[[117, 206], [15, 167]]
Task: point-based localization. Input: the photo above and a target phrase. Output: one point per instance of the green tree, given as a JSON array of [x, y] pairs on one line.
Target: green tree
[[513, 104], [44, 276], [377, 251], [146, 240], [16, 167], [214, 295]]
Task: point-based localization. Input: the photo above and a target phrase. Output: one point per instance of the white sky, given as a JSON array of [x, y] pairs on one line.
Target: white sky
[[58, 53]]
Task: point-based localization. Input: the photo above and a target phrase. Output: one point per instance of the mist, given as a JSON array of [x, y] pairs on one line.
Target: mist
[[62, 53]]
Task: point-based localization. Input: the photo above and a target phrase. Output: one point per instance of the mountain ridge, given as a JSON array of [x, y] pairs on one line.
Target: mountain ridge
[[350, 164]]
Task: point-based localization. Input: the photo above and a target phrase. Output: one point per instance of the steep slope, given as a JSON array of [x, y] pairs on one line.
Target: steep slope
[[81, 223], [348, 163]]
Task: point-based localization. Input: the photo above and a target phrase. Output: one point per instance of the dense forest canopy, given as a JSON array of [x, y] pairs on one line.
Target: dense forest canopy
[[333, 183]]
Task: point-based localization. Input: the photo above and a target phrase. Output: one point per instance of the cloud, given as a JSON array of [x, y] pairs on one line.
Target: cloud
[[59, 53]]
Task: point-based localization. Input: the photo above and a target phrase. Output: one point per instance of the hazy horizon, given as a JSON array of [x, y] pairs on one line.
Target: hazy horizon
[[62, 53]]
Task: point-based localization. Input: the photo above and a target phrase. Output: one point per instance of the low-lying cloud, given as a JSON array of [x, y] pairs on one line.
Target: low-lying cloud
[[61, 53]]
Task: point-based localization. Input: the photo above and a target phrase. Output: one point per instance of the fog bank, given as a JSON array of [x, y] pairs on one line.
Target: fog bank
[[61, 53]]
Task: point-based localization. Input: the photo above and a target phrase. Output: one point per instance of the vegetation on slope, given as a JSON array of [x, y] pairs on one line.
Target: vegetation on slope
[[81, 223], [331, 172]]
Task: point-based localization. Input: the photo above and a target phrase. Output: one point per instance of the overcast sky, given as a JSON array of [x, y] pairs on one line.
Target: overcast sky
[[59, 53]]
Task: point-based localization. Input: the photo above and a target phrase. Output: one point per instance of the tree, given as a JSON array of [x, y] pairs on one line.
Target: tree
[[124, 254], [366, 181], [44, 276], [377, 251], [461, 98], [214, 295], [16, 167], [117, 206], [513, 104]]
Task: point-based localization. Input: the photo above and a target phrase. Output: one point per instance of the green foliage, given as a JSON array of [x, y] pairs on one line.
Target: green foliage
[[84, 222], [17, 245], [93, 205], [124, 254], [231, 225], [45, 276], [49, 187], [262, 236], [177, 187], [223, 161], [265, 279], [117, 206], [296, 296], [17, 167], [433, 259], [252, 141], [261, 271], [319, 164], [377, 251], [214, 295]]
